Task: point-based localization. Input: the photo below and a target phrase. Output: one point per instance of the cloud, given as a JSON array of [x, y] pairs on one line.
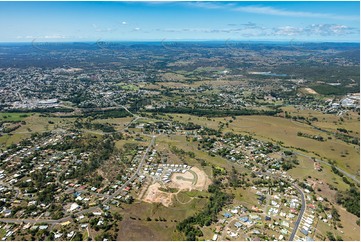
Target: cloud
[[254, 30], [54, 36], [266, 10], [316, 30], [287, 31], [124, 23], [208, 5], [330, 29], [103, 30]]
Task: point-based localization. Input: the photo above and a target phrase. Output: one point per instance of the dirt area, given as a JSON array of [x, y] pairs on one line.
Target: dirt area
[[182, 181], [203, 181], [310, 90], [154, 195], [194, 179]]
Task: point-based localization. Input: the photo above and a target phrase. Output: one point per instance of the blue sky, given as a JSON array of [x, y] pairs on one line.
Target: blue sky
[[113, 21]]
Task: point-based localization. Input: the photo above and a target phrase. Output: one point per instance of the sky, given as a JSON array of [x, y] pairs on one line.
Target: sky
[[162, 21]]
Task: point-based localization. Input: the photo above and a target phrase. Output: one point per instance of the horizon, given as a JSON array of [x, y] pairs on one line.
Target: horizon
[[186, 40], [179, 21]]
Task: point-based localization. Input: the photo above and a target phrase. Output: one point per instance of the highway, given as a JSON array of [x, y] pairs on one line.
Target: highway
[[302, 211]]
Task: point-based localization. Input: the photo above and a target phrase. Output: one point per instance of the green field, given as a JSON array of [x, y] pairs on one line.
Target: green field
[[14, 116], [129, 87], [278, 129]]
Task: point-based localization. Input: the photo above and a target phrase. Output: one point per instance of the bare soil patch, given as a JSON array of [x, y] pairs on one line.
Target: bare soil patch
[[310, 90], [154, 195], [194, 179]]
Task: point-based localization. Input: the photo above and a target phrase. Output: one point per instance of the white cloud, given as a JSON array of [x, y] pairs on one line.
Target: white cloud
[[329, 29], [287, 31], [54, 36], [124, 23], [252, 29], [259, 9], [103, 30]]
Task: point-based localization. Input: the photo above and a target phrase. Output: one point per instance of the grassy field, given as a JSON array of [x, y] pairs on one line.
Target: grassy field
[[14, 116], [116, 121], [136, 227], [246, 197], [350, 228], [2, 233], [330, 122], [351, 231], [306, 168], [34, 123], [285, 130], [135, 230], [129, 87]]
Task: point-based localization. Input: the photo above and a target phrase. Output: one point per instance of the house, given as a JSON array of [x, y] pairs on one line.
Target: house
[[65, 223], [57, 235], [215, 237], [293, 210], [73, 207], [254, 217], [43, 227], [238, 225], [69, 235], [7, 212], [227, 215], [311, 206], [222, 221], [244, 219], [285, 224], [234, 211]]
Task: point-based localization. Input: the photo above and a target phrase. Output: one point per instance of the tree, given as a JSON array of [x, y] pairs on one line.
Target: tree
[[330, 236]]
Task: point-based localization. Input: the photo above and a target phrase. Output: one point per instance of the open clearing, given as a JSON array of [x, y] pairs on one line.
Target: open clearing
[[135, 230], [309, 90], [195, 179], [154, 195]]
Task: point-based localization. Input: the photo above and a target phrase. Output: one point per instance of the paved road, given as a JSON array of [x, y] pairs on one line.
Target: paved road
[[19, 221], [302, 211], [135, 175], [353, 177]]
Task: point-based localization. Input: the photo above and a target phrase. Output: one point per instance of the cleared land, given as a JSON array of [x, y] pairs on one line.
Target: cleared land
[[154, 195], [195, 179]]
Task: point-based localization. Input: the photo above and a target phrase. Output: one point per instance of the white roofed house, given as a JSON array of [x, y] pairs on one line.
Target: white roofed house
[[73, 207]]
